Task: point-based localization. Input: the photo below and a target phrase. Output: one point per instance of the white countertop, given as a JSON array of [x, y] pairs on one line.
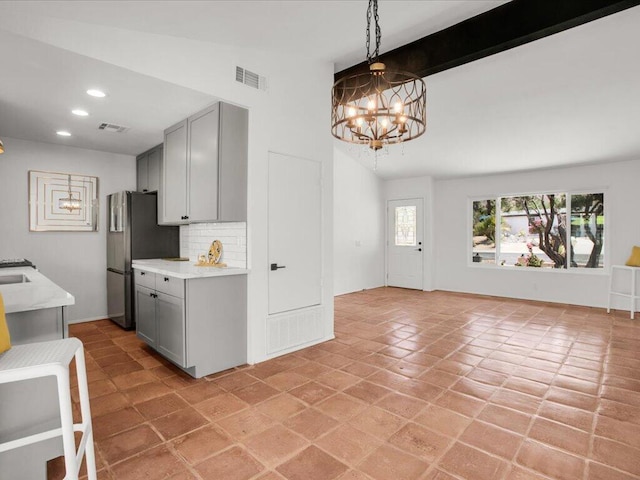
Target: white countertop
[[184, 270], [38, 293]]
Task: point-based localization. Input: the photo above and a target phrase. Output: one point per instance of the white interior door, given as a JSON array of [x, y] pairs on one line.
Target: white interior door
[[404, 243], [294, 233]]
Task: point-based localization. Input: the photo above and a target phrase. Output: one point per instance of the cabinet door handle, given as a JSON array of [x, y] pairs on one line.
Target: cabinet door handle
[[274, 266], [142, 273], [166, 279]]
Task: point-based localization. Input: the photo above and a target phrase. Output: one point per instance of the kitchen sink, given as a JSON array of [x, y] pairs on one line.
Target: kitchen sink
[[9, 279]]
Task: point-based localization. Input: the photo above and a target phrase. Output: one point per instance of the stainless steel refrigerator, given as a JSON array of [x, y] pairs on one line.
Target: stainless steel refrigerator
[[133, 234]]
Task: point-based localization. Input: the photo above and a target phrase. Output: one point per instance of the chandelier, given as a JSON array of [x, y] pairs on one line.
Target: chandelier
[[381, 107]]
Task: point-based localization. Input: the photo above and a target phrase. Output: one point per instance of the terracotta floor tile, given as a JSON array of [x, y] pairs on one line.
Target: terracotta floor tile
[[423, 443], [388, 463], [367, 392], [506, 418], [312, 392], [570, 416], [108, 403], [560, 436], [348, 444], [341, 407], [623, 432], [220, 406], [338, 380], [551, 462], [127, 444], [573, 399], [617, 455], [460, 403], [282, 406], [246, 423], [133, 379], [200, 444], [472, 464], [115, 422], [233, 464], [491, 439], [158, 462], [442, 420], [402, 405], [178, 423], [161, 406], [516, 401], [234, 381], [377, 422], [598, 471], [360, 369], [255, 393], [275, 445], [200, 392], [311, 423], [147, 391], [312, 464], [286, 380], [619, 411]]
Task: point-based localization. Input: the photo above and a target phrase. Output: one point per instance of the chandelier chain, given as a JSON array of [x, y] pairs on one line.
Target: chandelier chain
[[373, 9]]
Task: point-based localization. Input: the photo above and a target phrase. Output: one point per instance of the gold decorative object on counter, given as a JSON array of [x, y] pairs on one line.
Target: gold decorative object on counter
[[213, 258]]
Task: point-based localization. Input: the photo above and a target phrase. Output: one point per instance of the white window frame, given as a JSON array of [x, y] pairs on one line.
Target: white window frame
[[604, 270]]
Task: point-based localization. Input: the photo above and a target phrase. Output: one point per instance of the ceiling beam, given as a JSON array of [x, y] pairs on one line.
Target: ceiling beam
[[510, 25]]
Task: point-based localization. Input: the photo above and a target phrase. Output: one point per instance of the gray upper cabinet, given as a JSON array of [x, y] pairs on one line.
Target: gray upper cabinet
[[148, 167], [205, 167]]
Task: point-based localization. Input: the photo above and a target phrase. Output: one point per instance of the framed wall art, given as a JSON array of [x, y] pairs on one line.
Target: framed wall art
[[62, 202]]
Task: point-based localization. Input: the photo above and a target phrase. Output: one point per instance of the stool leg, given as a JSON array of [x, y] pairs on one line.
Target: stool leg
[[85, 411], [66, 420]]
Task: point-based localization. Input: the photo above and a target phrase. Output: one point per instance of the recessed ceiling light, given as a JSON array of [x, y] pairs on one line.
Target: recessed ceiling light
[[96, 93], [63, 133], [80, 113]]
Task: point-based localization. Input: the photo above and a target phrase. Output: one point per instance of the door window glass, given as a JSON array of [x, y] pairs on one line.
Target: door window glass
[[405, 226]]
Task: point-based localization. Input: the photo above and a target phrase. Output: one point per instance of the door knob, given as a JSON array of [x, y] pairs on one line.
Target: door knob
[[274, 266]]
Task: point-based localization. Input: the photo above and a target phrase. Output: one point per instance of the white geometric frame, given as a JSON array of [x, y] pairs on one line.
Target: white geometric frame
[[46, 189]]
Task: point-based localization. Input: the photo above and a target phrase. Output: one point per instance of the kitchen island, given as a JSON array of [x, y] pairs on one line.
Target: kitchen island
[[196, 317], [34, 305]]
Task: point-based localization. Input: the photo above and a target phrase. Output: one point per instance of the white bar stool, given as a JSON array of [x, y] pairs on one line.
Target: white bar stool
[[632, 294], [34, 360]]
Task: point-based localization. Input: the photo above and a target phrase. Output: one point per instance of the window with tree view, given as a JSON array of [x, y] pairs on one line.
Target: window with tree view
[[550, 230]]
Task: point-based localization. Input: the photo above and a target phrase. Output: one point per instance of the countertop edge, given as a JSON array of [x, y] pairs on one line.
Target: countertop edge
[[164, 267]]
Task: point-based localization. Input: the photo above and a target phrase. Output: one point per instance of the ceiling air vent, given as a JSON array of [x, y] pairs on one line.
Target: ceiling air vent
[[112, 127], [251, 79]]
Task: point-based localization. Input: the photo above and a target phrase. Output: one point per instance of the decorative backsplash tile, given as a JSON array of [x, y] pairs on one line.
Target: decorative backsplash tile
[[195, 239]]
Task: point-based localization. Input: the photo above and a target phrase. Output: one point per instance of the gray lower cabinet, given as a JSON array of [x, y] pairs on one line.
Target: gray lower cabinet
[[198, 324]]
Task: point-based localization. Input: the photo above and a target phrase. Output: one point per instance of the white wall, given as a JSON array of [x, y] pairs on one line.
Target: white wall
[[420, 187], [76, 261], [622, 231], [358, 219]]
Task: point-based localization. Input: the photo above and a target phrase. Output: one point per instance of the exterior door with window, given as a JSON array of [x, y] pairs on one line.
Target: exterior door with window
[[404, 243]]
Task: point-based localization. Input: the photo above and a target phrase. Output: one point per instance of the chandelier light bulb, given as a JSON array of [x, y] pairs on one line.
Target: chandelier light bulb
[[398, 107], [371, 105], [351, 112]]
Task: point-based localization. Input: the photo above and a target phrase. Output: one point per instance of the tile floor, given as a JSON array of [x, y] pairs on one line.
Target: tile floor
[[416, 385]]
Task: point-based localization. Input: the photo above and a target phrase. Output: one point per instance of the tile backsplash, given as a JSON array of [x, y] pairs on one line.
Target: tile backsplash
[[195, 239]]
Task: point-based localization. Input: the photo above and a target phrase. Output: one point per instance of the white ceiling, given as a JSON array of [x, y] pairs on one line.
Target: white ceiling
[[570, 98]]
